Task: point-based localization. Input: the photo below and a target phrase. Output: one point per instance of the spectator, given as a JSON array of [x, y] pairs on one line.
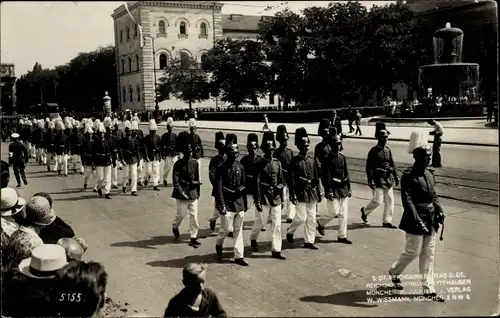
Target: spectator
[[80, 288], [194, 300], [358, 123], [56, 230], [10, 206], [17, 249], [38, 215], [75, 248]]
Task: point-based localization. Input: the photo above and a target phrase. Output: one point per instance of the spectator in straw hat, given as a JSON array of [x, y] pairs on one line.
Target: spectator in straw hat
[[10, 207], [56, 230], [17, 249]]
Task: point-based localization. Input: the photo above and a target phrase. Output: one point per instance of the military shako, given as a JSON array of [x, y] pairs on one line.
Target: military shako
[[301, 137], [220, 140], [268, 142], [281, 133], [253, 141], [182, 143], [323, 127]]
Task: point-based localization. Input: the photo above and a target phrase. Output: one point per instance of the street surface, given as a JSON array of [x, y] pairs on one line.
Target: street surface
[[132, 237]]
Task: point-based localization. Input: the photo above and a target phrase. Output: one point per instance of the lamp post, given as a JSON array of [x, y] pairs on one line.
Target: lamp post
[[154, 66]]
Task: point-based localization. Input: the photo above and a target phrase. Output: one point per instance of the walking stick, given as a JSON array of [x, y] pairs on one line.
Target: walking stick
[[442, 231]]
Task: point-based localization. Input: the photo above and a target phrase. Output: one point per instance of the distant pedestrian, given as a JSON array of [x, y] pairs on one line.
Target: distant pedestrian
[[266, 124], [436, 144], [358, 123], [18, 158], [195, 300], [490, 109]]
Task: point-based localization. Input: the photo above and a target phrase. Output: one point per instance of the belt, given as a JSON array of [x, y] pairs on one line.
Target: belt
[[424, 205], [339, 181]]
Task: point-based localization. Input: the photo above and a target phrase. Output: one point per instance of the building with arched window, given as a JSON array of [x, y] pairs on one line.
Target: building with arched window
[[185, 36]]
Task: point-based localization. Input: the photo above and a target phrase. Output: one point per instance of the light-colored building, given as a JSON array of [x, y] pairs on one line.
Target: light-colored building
[[170, 29]]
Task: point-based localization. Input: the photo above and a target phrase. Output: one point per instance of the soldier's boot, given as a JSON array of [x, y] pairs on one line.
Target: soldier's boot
[[218, 250], [289, 237], [240, 261], [364, 217], [165, 183], [176, 233], [194, 242], [134, 193], [230, 234], [212, 225], [58, 171], [255, 246], [84, 186], [278, 255], [25, 181], [321, 229], [107, 196], [99, 191], [310, 246], [124, 189], [156, 188]]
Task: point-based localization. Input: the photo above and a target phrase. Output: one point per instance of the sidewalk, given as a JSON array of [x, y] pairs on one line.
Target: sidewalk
[[131, 236], [461, 136]]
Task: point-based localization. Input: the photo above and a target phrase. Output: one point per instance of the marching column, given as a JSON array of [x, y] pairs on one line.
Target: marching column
[[168, 153], [215, 162], [186, 182], [305, 190], [129, 157]]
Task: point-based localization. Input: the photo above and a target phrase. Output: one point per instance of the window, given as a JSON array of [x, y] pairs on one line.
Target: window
[[121, 36], [271, 99], [138, 93], [203, 29], [161, 27], [182, 28], [163, 61], [128, 33], [129, 64], [130, 94], [203, 59], [137, 62], [136, 31], [184, 60], [123, 66], [124, 95]]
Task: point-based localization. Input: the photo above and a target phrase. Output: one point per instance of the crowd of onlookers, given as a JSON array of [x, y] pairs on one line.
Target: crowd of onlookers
[[44, 275]]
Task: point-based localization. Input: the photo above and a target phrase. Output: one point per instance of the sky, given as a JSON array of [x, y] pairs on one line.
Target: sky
[[52, 33]]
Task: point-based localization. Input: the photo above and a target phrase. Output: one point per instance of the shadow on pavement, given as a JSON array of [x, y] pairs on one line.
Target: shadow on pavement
[[353, 226], [162, 240], [68, 191], [181, 262], [80, 198]]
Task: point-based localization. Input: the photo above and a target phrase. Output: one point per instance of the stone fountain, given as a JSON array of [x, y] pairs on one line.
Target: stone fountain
[[448, 75]]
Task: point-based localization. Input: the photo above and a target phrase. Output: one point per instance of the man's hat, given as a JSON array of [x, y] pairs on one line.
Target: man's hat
[[14, 136], [152, 125], [253, 140], [268, 142], [324, 124], [127, 125], [231, 145], [170, 122], [192, 123], [231, 138], [108, 122], [10, 202], [182, 143], [44, 262], [420, 152], [334, 137], [383, 133], [219, 139], [379, 127], [301, 137], [281, 133], [39, 212]]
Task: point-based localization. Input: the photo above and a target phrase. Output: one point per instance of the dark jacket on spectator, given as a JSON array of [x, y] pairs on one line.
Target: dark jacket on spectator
[[209, 306], [58, 229]]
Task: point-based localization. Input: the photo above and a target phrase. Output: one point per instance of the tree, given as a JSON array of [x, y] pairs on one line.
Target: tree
[[280, 41], [239, 74], [36, 86], [185, 80]]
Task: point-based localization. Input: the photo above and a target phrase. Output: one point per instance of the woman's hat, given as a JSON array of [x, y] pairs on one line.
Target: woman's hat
[[44, 262], [14, 136], [39, 212], [10, 202]]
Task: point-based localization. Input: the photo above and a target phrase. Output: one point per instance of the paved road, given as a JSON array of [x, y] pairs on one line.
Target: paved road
[[131, 236]]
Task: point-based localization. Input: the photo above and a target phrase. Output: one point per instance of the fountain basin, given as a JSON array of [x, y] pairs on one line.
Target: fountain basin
[[450, 79]]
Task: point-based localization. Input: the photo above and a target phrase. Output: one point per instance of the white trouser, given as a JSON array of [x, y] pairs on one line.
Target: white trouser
[[423, 247], [50, 156], [42, 156], [183, 207], [32, 150], [216, 215], [288, 207], [382, 195], [88, 173], [130, 172], [61, 163], [305, 213], [104, 178], [153, 170], [140, 171], [199, 168], [114, 173], [236, 218], [275, 213], [169, 163], [336, 208], [75, 160]]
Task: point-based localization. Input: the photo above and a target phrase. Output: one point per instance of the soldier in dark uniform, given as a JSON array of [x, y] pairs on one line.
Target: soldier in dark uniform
[[168, 153], [422, 216], [129, 157], [86, 154], [48, 140], [284, 155], [76, 141], [269, 196], [382, 176], [62, 149], [337, 187], [305, 190], [251, 163], [37, 139], [108, 125], [195, 141], [18, 158], [102, 150], [25, 134], [186, 192], [152, 158], [322, 149], [139, 136], [230, 198], [215, 162]]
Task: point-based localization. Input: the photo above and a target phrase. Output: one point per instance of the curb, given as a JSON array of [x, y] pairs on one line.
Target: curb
[[348, 137]]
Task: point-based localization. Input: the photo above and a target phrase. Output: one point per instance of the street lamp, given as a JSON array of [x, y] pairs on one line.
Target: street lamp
[[154, 67]]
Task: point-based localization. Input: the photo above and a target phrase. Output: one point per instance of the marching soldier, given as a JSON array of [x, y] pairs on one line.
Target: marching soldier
[[168, 153], [129, 157], [269, 196], [305, 190], [37, 139], [62, 148], [337, 187], [195, 141], [102, 151], [186, 182], [230, 198], [18, 158], [215, 162], [25, 133], [118, 134], [381, 174], [139, 136], [108, 125], [285, 155], [86, 154], [152, 151], [251, 163], [422, 216], [323, 149], [48, 140], [76, 142]]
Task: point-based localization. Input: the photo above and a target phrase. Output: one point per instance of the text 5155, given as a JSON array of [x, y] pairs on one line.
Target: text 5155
[[71, 297]]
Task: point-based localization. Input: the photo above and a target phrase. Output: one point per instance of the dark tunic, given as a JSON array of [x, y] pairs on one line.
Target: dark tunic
[[210, 306], [185, 179], [36, 137], [215, 162], [196, 145], [420, 202], [335, 176], [230, 184], [61, 144], [48, 140], [168, 141], [58, 229], [380, 167], [152, 147], [129, 150], [102, 152], [285, 157], [270, 182], [252, 165], [18, 153], [86, 154], [114, 145], [304, 179], [140, 139], [76, 142], [321, 152], [25, 134]]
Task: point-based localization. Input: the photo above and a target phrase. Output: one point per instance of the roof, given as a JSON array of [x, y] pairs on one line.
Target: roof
[[423, 6], [242, 23]]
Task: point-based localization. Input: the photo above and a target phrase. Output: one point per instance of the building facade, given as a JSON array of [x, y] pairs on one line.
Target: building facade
[[7, 89], [170, 29]]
